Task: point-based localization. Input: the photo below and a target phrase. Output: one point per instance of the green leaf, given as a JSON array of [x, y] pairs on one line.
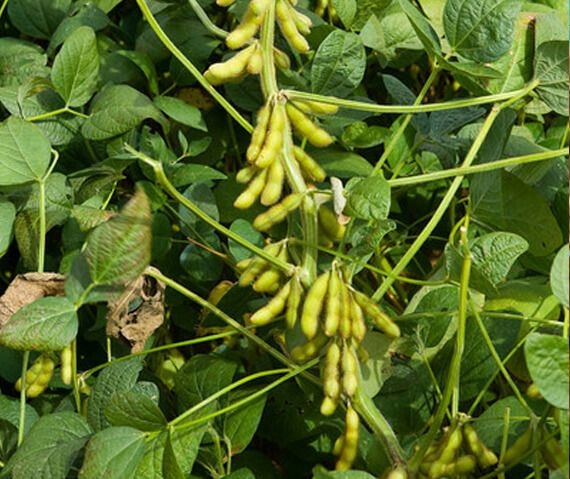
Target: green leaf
[[185, 444], [113, 453], [360, 135], [559, 275], [503, 201], [7, 217], [200, 263], [58, 130], [368, 198], [47, 324], [10, 411], [481, 31], [434, 332], [200, 377], [76, 67], [37, 18], [516, 66], [477, 364], [135, 408], [119, 250], [241, 424], [423, 28], [491, 424], [342, 164], [244, 229], [338, 64], [170, 467], [201, 195], [189, 173], [87, 15], [116, 378], [25, 152], [50, 448], [493, 256], [181, 112], [390, 35], [19, 61], [346, 11], [551, 70], [116, 110], [547, 360]]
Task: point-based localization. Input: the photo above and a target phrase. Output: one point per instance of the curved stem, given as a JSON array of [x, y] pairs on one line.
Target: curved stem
[[405, 109], [451, 390], [172, 48], [395, 138], [203, 17], [169, 187], [450, 194], [227, 319], [366, 408], [471, 170], [223, 391]]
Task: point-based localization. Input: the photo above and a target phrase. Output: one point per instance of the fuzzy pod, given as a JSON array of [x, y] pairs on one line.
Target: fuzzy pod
[[272, 309], [381, 320], [66, 371], [310, 168], [231, 69], [313, 305], [273, 142], [247, 197], [259, 132], [274, 183], [288, 27], [307, 128], [277, 213], [293, 302]]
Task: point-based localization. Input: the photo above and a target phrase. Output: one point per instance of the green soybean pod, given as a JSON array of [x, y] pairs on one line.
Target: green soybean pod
[[246, 199], [293, 302], [333, 304], [259, 132], [278, 212], [272, 309], [273, 143], [313, 305], [310, 168], [307, 128]]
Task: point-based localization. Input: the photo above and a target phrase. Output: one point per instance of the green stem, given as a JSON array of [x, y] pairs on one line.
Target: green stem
[[43, 224], [366, 408], [203, 17], [498, 360], [471, 170], [227, 319], [451, 389], [172, 48], [74, 378], [463, 308], [50, 114], [236, 384], [164, 347], [395, 138], [267, 37], [3, 7], [167, 185], [404, 109], [22, 414], [450, 194], [252, 397]]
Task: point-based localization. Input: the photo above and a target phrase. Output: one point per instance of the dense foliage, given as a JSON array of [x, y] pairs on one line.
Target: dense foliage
[[283, 239]]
